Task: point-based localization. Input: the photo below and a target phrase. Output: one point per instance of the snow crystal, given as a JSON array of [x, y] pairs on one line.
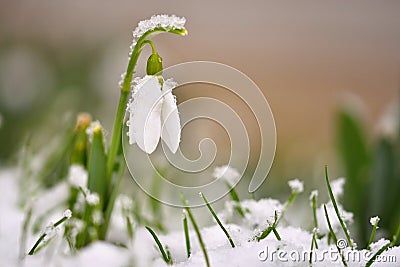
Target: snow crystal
[[67, 213], [95, 125], [313, 194], [296, 186], [124, 202], [77, 176], [227, 173], [374, 221], [164, 21], [257, 212], [379, 244], [92, 198], [389, 124]]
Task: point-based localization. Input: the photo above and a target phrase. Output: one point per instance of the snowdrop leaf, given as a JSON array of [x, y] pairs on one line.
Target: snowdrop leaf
[[171, 126], [97, 164]]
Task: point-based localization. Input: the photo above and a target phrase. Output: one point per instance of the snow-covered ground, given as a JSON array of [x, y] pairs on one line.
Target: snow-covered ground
[[141, 251]]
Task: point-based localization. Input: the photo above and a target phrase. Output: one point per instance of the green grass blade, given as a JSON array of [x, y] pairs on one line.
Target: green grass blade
[[334, 236], [187, 238], [97, 166], [160, 246], [346, 232], [196, 229], [218, 220]]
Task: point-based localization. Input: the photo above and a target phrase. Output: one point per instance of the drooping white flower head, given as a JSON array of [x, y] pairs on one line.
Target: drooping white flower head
[[296, 186], [374, 221], [77, 176], [227, 173], [153, 113]]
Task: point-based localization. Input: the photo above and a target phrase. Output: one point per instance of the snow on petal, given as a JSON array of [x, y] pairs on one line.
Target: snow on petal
[[171, 126], [145, 114]]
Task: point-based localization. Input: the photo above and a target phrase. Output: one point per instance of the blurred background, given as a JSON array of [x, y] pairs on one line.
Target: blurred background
[[310, 58]]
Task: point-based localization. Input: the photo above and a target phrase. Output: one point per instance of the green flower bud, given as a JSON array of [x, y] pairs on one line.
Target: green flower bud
[[154, 64]]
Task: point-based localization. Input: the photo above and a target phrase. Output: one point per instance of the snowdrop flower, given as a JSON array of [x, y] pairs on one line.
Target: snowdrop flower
[[77, 176], [227, 173], [296, 186], [153, 114], [374, 221]]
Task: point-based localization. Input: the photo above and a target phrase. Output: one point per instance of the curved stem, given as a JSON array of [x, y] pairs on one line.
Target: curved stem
[[119, 118], [153, 48]]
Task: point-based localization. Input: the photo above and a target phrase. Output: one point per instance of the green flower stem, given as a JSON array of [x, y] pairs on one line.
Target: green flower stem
[[372, 237], [113, 197], [119, 118], [196, 229], [153, 48], [235, 197], [118, 123], [334, 236], [314, 244], [314, 208], [186, 230], [385, 247], [287, 205], [217, 219], [166, 255], [346, 232], [40, 239]]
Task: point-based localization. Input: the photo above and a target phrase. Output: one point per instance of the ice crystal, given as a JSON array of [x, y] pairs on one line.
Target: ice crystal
[[77, 176], [67, 213], [158, 21], [92, 199], [91, 129], [374, 220], [296, 186]]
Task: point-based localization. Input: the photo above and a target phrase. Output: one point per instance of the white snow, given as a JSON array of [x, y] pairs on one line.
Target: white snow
[[77, 176], [169, 22], [142, 251], [374, 221], [227, 173], [296, 186]]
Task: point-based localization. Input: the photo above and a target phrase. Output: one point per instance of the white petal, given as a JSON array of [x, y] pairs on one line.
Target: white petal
[[146, 115], [171, 126]]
